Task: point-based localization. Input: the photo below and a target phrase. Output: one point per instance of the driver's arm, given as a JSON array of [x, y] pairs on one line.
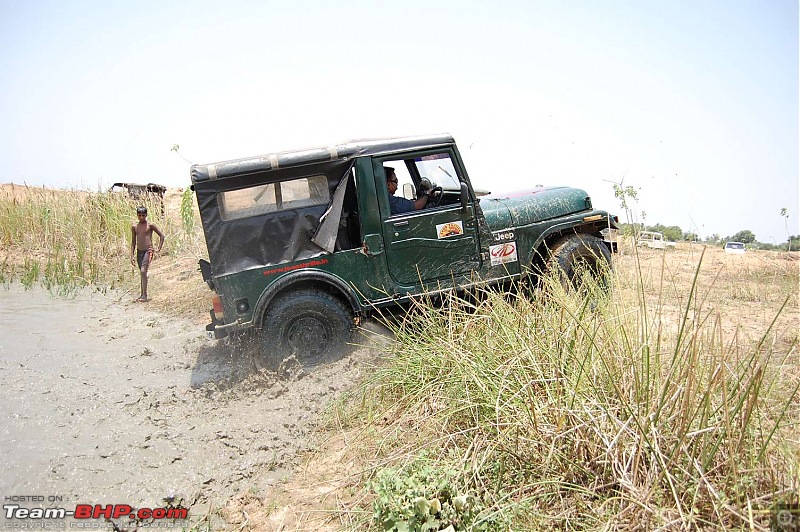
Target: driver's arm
[[422, 201]]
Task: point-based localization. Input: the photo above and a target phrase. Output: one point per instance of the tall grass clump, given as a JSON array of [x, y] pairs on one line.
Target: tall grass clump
[[65, 239], [555, 409], [187, 212]]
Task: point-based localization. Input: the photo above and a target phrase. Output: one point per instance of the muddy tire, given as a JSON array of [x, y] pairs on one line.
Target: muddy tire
[[575, 254], [312, 325]]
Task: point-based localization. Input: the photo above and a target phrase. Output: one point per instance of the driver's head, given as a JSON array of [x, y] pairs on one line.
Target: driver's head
[[391, 179]]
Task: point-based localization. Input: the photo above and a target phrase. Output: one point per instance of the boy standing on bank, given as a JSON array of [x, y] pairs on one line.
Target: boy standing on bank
[[142, 244]]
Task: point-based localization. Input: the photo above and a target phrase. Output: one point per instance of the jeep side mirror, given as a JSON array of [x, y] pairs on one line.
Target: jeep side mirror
[[464, 196]]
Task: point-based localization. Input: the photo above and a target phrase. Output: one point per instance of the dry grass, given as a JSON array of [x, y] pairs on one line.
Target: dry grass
[[745, 291], [68, 239], [672, 405]]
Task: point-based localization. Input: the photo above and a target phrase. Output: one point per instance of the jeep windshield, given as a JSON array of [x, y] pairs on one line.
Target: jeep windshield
[[438, 169]]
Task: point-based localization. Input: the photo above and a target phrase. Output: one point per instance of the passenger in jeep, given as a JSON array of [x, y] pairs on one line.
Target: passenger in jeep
[[401, 205]]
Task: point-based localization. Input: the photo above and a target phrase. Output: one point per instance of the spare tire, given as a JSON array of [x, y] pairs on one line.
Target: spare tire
[[311, 324]]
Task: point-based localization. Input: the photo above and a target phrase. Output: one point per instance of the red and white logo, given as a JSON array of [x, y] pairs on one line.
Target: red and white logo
[[96, 511], [503, 253]]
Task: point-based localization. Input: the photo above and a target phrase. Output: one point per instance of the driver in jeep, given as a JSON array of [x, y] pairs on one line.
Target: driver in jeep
[[400, 205]]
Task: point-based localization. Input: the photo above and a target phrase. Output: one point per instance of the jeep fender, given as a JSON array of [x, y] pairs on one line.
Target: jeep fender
[[541, 247], [301, 279]]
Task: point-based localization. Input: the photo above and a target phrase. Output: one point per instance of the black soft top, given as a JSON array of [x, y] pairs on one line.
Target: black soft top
[[287, 159], [288, 235]]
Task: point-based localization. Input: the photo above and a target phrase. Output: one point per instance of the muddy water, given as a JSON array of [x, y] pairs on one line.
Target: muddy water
[[106, 402]]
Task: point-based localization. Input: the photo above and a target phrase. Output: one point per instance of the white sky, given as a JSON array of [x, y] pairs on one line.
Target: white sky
[[695, 103]]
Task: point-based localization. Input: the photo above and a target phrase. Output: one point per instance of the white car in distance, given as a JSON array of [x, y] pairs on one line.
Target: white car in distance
[[654, 240], [736, 248]]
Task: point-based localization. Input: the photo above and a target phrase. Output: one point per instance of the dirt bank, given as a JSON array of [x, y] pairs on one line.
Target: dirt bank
[[107, 402]]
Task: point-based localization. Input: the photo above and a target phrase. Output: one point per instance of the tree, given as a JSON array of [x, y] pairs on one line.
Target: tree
[[691, 237], [672, 232], [765, 246], [713, 239], [623, 194], [630, 229], [744, 236]]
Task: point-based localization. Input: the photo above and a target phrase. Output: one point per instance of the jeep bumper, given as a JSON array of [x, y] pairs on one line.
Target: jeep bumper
[[216, 329], [219, 329]]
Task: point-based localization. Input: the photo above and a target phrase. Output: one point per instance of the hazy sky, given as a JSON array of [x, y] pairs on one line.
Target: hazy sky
[[694, 103]]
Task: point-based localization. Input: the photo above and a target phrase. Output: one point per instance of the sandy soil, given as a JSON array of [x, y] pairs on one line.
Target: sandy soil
[[107, 402]]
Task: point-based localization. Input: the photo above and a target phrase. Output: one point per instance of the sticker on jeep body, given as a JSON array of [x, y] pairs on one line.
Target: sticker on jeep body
[[284, 269], [503, 253], [449, 229], [505, 235]]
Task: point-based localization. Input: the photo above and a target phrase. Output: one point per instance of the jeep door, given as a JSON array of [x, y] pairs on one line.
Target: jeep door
[[436, 242]]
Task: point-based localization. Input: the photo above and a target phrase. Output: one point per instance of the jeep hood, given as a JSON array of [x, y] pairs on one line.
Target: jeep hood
[[525, 207]]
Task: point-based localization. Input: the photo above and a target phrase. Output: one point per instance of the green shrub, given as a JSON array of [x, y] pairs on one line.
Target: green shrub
[[425, 494]]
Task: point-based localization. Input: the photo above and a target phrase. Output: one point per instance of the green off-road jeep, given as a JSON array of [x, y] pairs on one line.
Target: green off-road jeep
[[303, 244]]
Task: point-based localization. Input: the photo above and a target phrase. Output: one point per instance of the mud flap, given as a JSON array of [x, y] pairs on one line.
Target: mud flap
[[211, 329]]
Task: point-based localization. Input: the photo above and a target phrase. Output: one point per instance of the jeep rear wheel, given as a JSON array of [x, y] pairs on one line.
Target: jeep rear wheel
[[576, 255], [312, 325]]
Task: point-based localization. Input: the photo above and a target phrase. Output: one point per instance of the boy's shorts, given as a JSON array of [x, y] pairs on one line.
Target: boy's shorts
[[143, 257]]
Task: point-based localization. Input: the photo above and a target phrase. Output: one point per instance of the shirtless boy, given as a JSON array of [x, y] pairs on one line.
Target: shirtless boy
[[142, 244]]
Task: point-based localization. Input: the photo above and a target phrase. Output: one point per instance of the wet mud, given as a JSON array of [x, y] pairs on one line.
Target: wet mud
[[106, 402]]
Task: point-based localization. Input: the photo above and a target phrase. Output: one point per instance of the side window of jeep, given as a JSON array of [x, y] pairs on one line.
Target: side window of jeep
[[425, 171], [274, 197]]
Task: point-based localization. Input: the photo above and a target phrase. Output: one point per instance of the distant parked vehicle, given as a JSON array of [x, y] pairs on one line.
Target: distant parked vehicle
[[736, 248], [141, 192], [137, 191], [654, 240]]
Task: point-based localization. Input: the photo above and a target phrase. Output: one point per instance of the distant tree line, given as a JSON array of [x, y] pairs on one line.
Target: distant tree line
[[676, 234]]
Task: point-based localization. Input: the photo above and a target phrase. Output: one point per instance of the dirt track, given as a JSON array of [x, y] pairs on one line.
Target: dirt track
[[107, 402]]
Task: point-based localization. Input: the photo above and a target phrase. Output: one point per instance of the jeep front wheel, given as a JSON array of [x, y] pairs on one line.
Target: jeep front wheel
[[580, 254], [312, 325]]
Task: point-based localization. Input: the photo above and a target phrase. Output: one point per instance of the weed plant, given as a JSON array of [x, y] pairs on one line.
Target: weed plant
[[556, 409]]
